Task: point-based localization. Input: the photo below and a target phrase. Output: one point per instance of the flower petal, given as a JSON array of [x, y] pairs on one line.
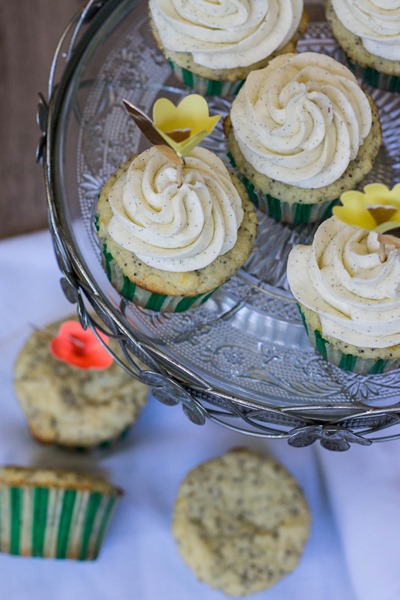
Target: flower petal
[[145, 124], [353, 215], [379, 194], [372, 209], [191, 115], [79, 347], [375, 190]]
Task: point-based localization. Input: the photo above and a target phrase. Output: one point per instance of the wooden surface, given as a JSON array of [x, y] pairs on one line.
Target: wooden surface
[[29, 32]]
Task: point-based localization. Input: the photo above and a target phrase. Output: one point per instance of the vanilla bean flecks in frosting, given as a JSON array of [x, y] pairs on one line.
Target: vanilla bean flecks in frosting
[[301, 120], [171, 227], [376, 22], [340, 276], [226, 34]]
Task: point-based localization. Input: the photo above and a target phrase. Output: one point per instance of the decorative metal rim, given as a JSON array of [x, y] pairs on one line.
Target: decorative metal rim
[[299, 425]]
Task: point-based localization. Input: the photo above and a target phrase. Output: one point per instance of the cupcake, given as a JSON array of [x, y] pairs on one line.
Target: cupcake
[[241, 522], [73, 394], [300, 132], [212, 47], [369, 34], [349, 297], [170, 236], [53, 513]]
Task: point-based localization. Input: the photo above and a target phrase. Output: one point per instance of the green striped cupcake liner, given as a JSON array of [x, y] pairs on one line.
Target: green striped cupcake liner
[[372, 77], [53, 523], [348, 362], [101, 446], [141, 297], [286, 212], [204, 86]]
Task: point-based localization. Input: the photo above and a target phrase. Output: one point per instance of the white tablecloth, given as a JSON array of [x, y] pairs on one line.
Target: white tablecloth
[[353, 552]]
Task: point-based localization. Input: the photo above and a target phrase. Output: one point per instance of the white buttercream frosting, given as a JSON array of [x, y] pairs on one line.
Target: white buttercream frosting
[[301, 120], [175, 228], [376, 22], [340, 276], [225, 34]]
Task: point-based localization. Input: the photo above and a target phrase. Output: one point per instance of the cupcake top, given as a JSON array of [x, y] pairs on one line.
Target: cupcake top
[[16, 476], [229, 33], [241, 522], [377, 23], [68, 403], [174, 227], [301, 120], [341, 277]]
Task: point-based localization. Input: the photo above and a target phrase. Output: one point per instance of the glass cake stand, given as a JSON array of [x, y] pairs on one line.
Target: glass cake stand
[[243, 358]]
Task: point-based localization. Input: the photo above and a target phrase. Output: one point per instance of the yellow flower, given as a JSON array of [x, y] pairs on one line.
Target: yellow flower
[[184, 126], [377, 209]]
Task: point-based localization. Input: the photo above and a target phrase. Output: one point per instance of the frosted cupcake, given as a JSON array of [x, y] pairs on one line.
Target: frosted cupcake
[[300, 133], [169, 239], [73, 394], [369, 34], [52, 513], [349, 297], [212, 46]]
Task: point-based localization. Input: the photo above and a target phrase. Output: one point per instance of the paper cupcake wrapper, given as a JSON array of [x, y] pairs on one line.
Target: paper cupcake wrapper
[[286, 212], [53, 523], [104, 445], [204, 86], [144, 298], [348, 362], [372, 77]]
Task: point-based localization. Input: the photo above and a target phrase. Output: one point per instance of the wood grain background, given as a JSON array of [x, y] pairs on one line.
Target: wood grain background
[[29, 32]]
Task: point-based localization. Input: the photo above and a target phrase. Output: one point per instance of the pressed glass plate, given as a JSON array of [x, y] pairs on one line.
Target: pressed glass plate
[[247, 341]]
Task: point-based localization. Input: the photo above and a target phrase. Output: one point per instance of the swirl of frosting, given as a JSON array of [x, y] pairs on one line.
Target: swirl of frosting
[[226, 34], [301, 120], [340, 276], [175, 228], [376, 22]]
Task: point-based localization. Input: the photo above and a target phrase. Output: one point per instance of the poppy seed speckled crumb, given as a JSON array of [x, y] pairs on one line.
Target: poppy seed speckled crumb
[[240, 522], [74, 407]]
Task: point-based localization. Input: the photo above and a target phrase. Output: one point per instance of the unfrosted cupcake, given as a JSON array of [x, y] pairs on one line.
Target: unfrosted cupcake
[[369, 34], [212, 46], [71, 406], [349, 298], [300, 133], [52, 513], [241, 522], [168, 244]]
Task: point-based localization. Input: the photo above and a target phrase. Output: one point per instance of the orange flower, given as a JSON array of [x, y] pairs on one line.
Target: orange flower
[[79, 347]]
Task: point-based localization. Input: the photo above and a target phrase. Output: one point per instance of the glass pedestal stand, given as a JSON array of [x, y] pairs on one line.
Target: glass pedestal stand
[[242, 359]]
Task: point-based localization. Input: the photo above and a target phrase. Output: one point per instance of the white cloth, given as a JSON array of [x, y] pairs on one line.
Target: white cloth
[[353, 549]]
